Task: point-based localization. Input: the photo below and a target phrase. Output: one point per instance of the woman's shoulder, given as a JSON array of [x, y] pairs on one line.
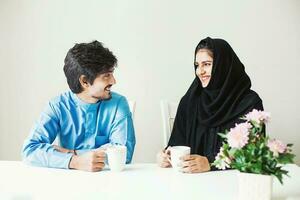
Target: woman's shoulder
[[252, 100], [252, 97]]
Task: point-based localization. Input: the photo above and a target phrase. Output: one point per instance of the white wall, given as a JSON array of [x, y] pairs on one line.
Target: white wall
[[154, 42]]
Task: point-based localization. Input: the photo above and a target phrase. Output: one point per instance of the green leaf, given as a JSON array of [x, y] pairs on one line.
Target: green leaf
[[286, 158], [289, 145], [222, 135]]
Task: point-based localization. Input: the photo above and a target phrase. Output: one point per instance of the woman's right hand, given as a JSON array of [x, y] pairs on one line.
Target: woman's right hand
[[163, 158]]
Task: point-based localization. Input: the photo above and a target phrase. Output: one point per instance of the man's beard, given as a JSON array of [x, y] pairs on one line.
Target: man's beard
[[103, 98]]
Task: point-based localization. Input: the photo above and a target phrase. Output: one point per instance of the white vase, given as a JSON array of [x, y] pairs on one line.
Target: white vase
[[254, 186]]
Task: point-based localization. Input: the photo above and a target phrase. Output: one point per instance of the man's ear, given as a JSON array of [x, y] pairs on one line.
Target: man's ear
[[83, 81]]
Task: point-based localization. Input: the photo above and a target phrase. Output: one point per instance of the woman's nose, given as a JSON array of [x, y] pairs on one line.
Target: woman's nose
[[202, 71]]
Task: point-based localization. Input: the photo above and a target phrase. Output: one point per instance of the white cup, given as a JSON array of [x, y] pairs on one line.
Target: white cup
[[116, 156], [176, 153]]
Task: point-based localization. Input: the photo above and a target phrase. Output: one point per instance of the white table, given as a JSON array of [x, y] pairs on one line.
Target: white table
[[138, 181]]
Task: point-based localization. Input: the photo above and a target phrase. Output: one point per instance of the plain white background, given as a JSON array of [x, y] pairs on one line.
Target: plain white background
[[154, 42]]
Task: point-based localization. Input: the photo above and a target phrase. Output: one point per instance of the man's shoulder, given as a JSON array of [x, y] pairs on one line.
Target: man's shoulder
[[63, 98], [118, 104], [117, 101], [117, 98]]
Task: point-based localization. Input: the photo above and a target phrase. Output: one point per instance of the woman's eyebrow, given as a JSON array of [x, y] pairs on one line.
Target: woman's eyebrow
[[206, 61]]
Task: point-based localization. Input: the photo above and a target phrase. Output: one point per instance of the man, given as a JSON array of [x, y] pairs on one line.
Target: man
[[86, 119]]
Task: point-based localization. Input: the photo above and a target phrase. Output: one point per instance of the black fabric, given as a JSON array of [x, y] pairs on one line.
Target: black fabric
[[204, 112]]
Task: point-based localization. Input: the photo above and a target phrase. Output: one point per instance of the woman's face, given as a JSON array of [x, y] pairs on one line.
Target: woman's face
[[203, 63]]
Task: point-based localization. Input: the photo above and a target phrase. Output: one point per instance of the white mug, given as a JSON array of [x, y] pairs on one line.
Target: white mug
[[176, 153], [116, 156]]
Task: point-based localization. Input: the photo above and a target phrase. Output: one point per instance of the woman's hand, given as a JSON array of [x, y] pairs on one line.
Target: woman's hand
[[194, 164], [163, 158]]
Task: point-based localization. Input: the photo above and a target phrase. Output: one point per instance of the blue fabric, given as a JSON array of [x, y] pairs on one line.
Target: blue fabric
[[80, 126]]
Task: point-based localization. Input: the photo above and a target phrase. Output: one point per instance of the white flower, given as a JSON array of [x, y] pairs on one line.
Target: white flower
[[223, 162]]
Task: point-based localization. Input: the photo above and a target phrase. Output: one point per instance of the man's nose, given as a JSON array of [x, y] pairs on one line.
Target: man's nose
[[112, 80]]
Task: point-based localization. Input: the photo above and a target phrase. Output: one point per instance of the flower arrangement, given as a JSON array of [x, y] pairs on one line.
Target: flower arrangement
[[247, 148]]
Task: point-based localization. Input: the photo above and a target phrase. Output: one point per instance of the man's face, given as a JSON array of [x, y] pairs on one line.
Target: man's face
[[100, 89]]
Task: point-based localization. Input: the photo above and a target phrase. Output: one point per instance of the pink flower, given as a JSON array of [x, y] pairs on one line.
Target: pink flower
[[239, 135], [258, 116], [276, 146]]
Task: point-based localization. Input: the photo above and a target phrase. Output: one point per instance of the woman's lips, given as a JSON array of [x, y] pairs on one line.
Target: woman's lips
[[205, 78]]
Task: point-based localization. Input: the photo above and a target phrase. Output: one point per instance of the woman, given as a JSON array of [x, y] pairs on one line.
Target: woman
[[219, 95]]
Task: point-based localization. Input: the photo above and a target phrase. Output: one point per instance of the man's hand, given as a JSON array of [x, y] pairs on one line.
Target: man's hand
[[195, 164], [163, 158], [91, 161]]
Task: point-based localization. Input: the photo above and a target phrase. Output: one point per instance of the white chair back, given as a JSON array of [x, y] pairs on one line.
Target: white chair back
[[132, 107], [168, 112]]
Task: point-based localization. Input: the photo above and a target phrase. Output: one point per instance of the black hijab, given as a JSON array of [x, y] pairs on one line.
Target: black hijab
[[226, 98]]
